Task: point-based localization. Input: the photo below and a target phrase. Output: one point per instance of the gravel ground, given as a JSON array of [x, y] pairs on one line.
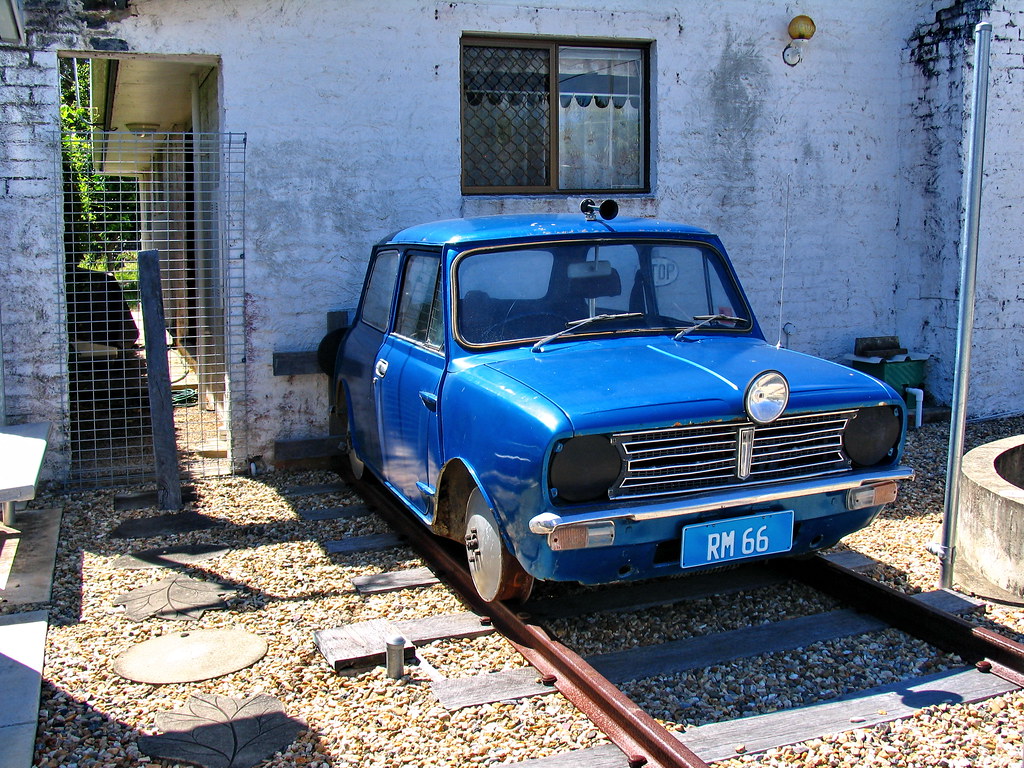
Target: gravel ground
[[288, 587]]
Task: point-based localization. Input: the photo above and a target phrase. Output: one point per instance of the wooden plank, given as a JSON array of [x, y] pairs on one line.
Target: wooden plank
[[358, 645], [718, 741], [637, 596], [705, 650], [158, 379], [363, 643], [488, 688], [315, 489], [143, 499], [449, 626], [392, 581], [295, 363], [853, 560], [335, 513], [307, 448], [22, 447], [370, 543], [951, 601]]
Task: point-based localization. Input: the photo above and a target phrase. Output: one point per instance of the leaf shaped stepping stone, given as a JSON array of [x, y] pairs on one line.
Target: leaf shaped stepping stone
[[186, 657], [222, 732], [169, 557], [163, 525], [177, 597]]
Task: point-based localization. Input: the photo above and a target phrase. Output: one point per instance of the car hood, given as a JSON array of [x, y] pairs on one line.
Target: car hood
[[649, 382]]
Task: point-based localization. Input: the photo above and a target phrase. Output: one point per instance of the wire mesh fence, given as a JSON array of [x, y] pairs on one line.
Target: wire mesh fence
[[181, 194]]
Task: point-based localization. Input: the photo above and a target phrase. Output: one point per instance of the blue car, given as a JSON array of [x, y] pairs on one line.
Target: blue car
[[580, 398]]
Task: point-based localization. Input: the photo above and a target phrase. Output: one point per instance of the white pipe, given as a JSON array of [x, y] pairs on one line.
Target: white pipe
[[919, 407]]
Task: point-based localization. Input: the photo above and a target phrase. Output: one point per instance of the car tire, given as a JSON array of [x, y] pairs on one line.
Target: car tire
[[347, 464], [497, 575]]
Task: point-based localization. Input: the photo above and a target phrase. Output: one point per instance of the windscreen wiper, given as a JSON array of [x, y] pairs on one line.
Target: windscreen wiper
[[575, 325], [703, 320]]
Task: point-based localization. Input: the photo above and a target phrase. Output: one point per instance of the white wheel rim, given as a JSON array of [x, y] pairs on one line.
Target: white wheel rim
[[485, 564]]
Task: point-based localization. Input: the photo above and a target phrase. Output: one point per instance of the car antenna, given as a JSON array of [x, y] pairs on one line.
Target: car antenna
[[785, 256]]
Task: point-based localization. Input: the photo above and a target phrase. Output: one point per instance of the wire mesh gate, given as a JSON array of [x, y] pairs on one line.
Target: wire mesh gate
[[183, 195]]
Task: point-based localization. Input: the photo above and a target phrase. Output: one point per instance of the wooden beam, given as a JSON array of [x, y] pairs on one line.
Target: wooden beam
[[158, 377]]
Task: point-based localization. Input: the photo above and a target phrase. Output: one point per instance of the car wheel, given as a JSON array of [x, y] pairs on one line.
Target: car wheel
[[497, 575], [348, 465]]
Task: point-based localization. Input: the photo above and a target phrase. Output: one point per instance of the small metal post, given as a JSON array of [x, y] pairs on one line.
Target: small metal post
[[974, 167], [395, 655]]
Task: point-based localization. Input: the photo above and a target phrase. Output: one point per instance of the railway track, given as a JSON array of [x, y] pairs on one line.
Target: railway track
[[991, 663]]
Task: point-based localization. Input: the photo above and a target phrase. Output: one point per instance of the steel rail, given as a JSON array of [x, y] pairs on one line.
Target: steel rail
[[643, 740], [991, 651]]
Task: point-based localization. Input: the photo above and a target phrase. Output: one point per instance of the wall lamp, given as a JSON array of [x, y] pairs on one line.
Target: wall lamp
[[800, 28]]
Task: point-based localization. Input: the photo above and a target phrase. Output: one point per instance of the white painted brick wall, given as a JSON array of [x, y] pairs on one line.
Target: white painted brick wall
[[352, 116]]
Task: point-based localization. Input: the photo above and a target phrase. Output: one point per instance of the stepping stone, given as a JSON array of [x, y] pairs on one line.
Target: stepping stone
[[176, 597], [371, 543], [169, 557], [362, 644], [314, 490], [335, 513], [26, 557], [392, 581], [143, 499], [187, 657], [222, 732], [163, 525]]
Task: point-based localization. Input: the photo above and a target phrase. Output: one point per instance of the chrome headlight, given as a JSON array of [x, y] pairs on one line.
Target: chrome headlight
[[767, 397]]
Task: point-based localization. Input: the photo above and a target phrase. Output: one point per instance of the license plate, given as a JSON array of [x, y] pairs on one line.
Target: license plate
[[737, 539]]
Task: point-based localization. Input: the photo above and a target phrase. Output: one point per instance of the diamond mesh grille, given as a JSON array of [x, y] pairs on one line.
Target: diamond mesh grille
[[506, 117]]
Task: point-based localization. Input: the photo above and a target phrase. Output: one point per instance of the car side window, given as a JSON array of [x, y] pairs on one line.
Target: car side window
[[379, 290], [419, 306]]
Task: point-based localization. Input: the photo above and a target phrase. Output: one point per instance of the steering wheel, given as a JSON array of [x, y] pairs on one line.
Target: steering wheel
[[528, 322]]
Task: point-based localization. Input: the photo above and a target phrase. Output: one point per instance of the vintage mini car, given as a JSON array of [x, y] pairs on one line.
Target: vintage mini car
[[578, 398]]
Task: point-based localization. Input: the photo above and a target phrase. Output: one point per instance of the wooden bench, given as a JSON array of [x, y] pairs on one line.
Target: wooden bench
[[22, 449]]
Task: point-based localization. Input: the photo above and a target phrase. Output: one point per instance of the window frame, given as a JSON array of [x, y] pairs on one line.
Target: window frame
[[552, 45]]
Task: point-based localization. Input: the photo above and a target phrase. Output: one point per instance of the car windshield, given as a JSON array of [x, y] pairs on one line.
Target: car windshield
[[534, 293]]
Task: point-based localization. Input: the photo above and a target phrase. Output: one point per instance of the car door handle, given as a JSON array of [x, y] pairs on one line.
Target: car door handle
[[381, 369], [430, 400]]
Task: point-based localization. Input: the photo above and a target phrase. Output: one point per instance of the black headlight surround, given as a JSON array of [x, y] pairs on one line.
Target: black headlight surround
[[873, 436], [584, 469]]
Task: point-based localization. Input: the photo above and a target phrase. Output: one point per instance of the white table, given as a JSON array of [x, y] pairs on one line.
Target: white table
[[22, 449]]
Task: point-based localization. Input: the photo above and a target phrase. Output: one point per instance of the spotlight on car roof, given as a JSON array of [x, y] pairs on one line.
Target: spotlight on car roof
[[607, 210]]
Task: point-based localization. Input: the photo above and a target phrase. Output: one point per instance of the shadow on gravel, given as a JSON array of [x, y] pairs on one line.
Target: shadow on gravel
[[69, 727]]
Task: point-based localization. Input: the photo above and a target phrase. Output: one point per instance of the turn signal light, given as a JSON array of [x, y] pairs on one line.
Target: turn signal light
[[582, 536], [871, 495]]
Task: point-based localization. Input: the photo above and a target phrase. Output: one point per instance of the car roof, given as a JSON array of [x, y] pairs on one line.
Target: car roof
[[519, 226]]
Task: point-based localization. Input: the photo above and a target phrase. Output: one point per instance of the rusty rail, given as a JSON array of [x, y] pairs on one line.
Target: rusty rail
[[644, 740], [990, 651]]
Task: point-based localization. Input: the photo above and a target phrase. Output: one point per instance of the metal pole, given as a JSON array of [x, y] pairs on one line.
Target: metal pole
[[969, 268]]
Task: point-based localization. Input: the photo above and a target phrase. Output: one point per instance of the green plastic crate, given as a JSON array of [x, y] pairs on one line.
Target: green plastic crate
[[897, 374]]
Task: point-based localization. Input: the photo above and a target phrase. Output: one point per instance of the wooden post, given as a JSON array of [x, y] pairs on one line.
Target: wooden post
[[165, 449]]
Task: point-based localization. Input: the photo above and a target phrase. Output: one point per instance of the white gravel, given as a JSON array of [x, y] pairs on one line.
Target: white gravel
[[289, 587]]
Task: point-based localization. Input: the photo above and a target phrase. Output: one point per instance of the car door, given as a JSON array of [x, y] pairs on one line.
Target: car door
[[409, 369], [361, 352]]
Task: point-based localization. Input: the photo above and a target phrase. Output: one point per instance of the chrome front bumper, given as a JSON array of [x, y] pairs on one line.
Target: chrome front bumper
[[547, 522]]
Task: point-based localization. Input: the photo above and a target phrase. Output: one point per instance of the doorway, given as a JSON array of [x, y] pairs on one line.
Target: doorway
[[139, 174]]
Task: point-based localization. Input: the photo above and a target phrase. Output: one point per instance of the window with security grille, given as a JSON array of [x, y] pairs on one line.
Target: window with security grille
[[540, 116]]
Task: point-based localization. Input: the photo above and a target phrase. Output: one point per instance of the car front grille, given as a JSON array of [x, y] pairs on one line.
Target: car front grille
[[710, 456]]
